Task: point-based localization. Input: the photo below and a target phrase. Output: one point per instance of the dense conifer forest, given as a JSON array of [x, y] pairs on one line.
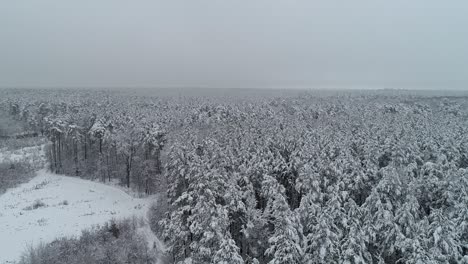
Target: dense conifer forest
[[307, 177]]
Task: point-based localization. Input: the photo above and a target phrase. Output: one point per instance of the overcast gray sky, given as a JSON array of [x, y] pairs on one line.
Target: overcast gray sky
[[193, 43]]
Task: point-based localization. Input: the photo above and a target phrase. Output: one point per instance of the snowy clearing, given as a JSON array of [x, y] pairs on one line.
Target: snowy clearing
[[32, 155], [51, 206]]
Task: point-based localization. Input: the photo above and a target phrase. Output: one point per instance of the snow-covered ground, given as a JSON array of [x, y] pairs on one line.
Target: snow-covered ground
[[33, 155], [65, 206]]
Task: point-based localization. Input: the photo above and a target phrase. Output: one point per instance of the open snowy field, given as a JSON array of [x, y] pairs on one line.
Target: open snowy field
[[51, 206]]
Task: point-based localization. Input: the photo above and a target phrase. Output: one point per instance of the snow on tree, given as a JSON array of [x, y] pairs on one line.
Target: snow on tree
[[285, 242], [228, 253], [365, 177]]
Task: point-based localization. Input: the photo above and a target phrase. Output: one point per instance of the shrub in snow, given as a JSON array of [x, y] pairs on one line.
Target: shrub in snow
[[101, 244], [37, 204]]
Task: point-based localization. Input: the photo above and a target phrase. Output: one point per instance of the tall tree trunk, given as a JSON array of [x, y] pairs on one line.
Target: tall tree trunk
[[128, 167], [85, 147], [59, 154], [107, 163], [100, 145], [146, 186], [75, 150], [54, 155]]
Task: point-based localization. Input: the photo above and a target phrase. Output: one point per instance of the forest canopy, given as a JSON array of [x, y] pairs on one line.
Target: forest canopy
[[333, 177]]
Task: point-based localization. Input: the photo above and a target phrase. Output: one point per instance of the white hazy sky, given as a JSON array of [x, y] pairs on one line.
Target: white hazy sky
[[212, 43]]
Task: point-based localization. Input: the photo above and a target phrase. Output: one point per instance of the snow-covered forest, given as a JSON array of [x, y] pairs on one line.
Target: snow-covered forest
[[306, 177]]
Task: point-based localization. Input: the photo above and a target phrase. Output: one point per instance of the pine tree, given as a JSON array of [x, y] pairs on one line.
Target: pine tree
[[354, 243], [228, 253], [445, 245], [285, 242]]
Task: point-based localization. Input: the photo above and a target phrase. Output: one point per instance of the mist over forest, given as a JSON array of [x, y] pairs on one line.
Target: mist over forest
[[234, 132]]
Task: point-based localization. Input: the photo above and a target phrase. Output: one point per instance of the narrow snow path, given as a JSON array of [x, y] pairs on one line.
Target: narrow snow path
[[67, 206]]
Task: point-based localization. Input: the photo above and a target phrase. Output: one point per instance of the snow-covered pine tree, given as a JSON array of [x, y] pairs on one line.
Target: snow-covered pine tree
[[286, 239]]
